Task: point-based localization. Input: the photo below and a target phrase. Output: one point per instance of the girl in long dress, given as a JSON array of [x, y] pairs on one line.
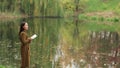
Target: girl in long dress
[[25, 48]]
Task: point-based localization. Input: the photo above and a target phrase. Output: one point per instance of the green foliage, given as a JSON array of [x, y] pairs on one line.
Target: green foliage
[[100, 5], [1, 66], [58, 7], [68, 7], [32, 7], [98, 18], [117, 9], [83, 17]]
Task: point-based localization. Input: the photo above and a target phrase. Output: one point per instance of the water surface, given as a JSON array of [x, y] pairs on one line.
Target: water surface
[[62, 43]]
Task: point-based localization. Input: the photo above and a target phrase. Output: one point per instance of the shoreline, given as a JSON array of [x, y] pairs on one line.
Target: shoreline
[[11, 16], [92, 15], [100, 16]]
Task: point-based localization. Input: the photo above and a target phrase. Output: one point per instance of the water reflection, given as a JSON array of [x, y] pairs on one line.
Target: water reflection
[[62, 44], [104, 49], [42, 48], [88, 48]]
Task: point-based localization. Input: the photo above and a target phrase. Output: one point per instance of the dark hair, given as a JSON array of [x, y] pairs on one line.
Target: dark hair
[[21, 27]]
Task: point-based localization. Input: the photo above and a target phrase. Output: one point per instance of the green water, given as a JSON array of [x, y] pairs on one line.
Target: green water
[[42, 48], [61, 42]]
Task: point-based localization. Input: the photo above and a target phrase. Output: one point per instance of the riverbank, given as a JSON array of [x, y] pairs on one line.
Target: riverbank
[[96, 16], [100, 16], [11, 16]]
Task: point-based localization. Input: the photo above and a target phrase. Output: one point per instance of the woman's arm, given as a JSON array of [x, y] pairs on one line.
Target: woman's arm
[[24, 38]]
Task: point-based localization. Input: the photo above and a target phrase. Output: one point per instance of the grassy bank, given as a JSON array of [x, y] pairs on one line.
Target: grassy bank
[[101, 5], [102, 10], [95, 9], [99, 17], [11, 16]]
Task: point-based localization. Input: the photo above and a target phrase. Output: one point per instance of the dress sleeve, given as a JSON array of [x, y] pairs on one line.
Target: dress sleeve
[[24, 38]]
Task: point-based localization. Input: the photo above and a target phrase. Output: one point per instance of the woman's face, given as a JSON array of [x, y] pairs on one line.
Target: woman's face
[[25, 26]]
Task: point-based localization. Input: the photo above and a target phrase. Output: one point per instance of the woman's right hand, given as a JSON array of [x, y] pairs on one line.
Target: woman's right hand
[[29, 40]]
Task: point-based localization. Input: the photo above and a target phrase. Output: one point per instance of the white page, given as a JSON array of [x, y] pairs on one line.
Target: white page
[[33, 36]]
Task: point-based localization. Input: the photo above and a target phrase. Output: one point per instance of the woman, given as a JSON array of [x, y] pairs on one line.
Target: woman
[[25, 41]]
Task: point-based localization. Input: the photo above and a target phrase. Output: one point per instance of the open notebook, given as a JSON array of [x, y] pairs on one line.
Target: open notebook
[[33, 36]]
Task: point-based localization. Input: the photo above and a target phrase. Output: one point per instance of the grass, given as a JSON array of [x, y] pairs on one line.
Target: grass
[[101, 5], [1, 66], [101, 10], [98, 18]]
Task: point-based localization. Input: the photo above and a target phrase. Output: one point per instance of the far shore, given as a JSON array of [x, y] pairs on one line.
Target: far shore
[[13, 16]]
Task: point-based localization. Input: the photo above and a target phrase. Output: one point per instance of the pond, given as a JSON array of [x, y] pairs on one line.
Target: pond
[[62, 43]]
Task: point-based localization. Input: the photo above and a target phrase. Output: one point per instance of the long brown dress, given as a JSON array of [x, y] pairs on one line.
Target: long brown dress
[[25, 53]]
